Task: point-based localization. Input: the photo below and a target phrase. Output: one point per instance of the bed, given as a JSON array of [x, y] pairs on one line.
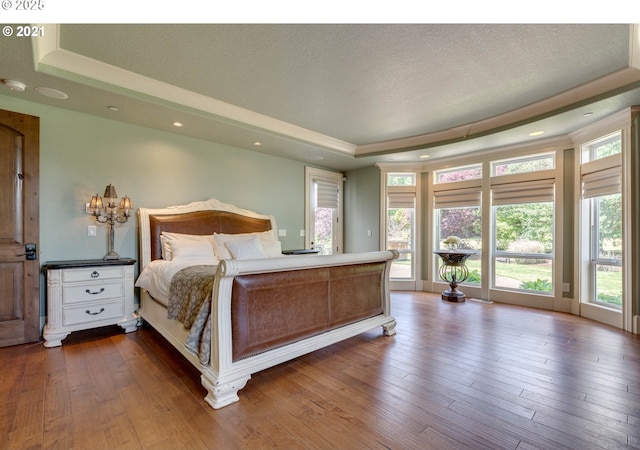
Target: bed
[[262, 308]]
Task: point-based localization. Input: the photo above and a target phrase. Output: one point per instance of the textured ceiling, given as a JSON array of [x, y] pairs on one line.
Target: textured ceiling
[[335, 94]]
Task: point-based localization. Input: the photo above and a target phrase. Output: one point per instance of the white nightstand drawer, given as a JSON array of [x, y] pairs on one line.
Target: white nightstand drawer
[[92, 292], [92, 312], [92, 273]]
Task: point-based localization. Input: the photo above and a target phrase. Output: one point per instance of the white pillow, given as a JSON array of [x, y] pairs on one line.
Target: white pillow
[[192, 251], [272, 249], [220, 239], [246, 248], [166, 238]]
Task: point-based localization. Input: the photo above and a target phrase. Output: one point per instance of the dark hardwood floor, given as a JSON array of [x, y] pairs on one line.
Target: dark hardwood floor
[[455, 376]]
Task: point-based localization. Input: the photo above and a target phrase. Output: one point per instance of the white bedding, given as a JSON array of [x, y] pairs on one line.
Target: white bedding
[[184, 250], [156, 276]]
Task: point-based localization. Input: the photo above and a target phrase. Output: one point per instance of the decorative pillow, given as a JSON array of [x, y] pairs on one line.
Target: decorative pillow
[[220, 239], [246, 248], [192, 251], [166, 238]]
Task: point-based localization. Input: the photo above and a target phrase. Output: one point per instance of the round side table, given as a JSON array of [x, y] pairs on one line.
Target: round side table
[[454, 271]]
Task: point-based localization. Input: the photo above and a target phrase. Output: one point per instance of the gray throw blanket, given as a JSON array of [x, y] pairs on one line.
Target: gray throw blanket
[[190, 303]]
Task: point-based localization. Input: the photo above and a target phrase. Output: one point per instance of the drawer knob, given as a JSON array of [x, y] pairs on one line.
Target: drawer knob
[[94, 313], [94, 293], [95, 274]]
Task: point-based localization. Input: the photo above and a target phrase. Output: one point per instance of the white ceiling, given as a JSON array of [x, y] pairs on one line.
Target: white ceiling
[[340, 96]]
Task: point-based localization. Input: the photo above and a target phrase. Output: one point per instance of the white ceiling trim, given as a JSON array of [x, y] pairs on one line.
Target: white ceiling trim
[[49, 57], [539, 146]]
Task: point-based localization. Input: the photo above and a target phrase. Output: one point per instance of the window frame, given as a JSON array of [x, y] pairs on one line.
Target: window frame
[[599, 176], [621, 122]]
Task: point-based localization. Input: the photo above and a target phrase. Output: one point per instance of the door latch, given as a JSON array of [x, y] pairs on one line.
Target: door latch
[[29, 252]]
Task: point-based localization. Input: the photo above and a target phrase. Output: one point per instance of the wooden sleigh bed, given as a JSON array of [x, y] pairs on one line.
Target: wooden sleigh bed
[[263, 308]]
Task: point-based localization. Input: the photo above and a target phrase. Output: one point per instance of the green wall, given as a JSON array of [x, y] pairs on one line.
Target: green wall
[[80, 154], [362, 196]]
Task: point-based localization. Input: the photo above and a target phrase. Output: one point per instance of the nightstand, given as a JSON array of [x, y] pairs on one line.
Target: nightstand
[[88, 294], [302, 251]]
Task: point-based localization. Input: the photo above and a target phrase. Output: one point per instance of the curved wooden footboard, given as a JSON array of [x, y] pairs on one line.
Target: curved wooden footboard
[[266, 312]]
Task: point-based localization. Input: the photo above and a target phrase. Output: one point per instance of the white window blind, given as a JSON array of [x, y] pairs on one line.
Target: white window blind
[[603, 182], [602, 176], [401, 200], [523, 192], [457, 198], [326, 194]]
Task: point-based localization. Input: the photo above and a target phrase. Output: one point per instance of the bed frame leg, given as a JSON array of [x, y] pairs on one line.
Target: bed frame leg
[[389, 328], [224, 394]]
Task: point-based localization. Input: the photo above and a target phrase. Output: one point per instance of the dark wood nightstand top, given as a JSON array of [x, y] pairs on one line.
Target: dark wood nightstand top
[[302, 251], [88, 263]]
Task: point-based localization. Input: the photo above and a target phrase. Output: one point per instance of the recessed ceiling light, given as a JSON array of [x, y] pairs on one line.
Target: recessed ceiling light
[[257, 144], [423, 156], [536, 133], [52, 93], [177, 124], [17, 86], [587, 114], [113, 108]]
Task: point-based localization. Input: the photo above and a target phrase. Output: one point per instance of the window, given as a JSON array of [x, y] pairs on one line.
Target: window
[[473, 172], [401, 179], [601, 180], [602, 147], [523, 165], [401, 223], [523, 224], [606, 254], [458, 213], [523, 246]]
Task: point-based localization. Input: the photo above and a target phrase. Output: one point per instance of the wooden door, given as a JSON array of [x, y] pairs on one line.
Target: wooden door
[[19, 264]]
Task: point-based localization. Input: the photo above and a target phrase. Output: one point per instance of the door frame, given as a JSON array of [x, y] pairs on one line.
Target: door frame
[[311, 174]]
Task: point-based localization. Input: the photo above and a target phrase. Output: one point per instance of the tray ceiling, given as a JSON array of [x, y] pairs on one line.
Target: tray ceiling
[[342, 96]]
